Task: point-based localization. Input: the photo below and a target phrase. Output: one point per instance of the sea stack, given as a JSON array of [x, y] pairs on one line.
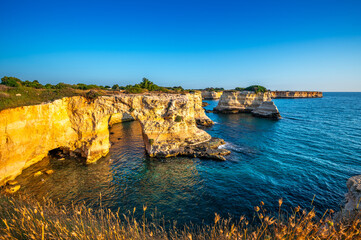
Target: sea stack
[[267, 110]]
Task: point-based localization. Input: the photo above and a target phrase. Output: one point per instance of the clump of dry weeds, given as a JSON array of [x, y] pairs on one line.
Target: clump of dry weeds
[[23, 218]]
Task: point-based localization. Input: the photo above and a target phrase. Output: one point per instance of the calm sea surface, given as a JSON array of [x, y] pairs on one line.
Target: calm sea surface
[[313, 150]]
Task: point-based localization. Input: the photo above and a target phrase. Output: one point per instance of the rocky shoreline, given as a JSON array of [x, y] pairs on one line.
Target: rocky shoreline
[[80, 126]]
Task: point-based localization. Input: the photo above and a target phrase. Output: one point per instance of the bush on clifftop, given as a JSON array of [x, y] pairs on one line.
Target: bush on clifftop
[[253, 88], [11, 81]]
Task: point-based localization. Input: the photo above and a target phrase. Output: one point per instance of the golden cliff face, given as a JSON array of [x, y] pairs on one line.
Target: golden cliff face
[[210, 95], [296, 94], [237, 101], [80, 126]]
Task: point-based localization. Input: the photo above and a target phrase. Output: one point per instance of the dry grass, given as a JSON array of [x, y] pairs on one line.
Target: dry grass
[[22, 218]]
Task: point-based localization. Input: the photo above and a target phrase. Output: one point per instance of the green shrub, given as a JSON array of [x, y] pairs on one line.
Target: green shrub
[[33, 84], [62, 85], [115, 87], [256, 88], [91, 95], [239, 89], [48, 86], [151, 141], [212, 89], [134, 89], [11, 81]]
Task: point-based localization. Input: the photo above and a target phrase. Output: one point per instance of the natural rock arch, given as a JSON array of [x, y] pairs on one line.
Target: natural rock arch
[[169, 126]]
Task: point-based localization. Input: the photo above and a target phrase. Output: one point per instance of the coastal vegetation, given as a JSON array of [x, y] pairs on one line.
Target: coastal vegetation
[[253, 88], [146, 85], [15, 92], [26, 218], [212, 89]]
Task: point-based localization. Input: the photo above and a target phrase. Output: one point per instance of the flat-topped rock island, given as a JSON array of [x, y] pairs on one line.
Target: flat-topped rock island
[[259, 104]]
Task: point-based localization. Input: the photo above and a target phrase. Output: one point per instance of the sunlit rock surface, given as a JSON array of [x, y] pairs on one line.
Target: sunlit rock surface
[[211, 95], [267, 110], [79, 126], [241, 101], [296, 94]]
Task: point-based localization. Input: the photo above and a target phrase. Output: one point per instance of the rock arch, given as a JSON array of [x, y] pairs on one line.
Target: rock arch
[[169, 127]]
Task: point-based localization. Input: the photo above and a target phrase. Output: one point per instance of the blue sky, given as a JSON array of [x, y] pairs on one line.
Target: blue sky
[[284, 45]]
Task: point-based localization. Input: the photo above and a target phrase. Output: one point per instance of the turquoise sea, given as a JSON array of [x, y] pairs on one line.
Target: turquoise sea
[[310, 153]]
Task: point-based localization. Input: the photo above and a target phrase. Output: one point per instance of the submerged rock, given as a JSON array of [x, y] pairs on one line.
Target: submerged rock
[[205, 104], [209, 149], [267, 110]]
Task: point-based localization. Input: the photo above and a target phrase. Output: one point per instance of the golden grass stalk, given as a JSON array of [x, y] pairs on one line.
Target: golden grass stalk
[[24, 218]]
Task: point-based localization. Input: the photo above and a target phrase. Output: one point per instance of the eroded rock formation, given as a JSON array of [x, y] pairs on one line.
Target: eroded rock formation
[[296, 94], [211, 95], [238, 102], [267, 110], [80, 126], [259, 104]]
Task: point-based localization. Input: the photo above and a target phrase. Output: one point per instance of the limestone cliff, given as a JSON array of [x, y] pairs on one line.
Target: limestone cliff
[[211, 95], [80, 126], [267, 110], [237, 101], [296, 94]]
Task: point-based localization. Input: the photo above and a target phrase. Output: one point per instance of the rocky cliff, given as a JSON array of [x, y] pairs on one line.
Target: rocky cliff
[[267, 110], [296, 94], [237, 101], [79, 126], [259, 104], [211, 95]]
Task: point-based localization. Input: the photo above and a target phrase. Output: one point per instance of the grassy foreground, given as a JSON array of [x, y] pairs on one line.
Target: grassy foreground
[[23, 218]]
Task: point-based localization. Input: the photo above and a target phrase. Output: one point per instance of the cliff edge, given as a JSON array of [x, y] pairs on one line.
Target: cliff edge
[[296, 94], [80, 126]]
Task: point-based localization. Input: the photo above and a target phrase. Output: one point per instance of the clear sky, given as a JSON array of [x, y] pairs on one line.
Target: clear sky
[[281, 44]]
